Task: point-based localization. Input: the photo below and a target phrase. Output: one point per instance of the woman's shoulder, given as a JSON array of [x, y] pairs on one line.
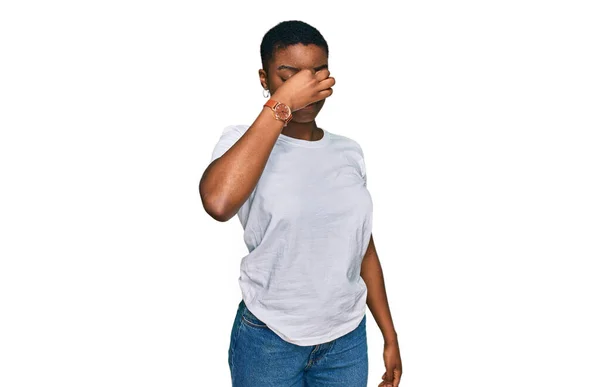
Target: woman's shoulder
[[345, 142]]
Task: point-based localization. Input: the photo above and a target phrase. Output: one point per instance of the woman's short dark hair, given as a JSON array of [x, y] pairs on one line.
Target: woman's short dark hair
[[288, 33]]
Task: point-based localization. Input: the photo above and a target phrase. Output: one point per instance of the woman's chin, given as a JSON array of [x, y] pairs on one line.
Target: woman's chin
[[303, 118]]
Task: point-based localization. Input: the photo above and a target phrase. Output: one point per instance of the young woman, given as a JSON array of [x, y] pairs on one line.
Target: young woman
[[300, 193]]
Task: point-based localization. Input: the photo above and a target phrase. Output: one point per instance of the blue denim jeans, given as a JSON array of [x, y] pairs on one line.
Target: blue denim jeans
[[260, 358]]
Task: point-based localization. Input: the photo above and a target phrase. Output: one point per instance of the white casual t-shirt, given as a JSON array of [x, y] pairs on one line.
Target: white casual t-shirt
[[307, 225]]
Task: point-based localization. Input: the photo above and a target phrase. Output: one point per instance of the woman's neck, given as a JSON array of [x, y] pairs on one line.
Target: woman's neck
[[303, 130]]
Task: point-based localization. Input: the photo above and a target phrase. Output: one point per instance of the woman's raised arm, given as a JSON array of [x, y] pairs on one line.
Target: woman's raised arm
[[229, 180]]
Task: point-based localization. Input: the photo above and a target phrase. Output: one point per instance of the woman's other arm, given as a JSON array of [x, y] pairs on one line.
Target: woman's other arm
[[372, 273]]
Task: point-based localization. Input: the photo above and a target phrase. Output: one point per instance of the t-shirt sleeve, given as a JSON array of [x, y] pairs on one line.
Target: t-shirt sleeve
[[230, 135]]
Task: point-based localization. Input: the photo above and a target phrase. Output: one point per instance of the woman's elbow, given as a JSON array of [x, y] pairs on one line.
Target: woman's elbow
[[214, 205]]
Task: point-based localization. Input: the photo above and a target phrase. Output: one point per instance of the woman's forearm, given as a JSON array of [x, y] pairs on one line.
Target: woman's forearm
[[372, 273]]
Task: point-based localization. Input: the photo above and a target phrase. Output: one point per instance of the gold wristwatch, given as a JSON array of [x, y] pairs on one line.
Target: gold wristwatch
[[281, 111]]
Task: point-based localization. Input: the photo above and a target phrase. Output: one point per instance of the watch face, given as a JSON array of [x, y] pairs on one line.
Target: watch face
[[282, 111]]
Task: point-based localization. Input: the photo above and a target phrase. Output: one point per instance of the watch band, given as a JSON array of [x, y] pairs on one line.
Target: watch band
[[271, 103]]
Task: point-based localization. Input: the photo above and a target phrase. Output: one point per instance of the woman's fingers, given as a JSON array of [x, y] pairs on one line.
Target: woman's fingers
[[324, 94], [327, 83], [322, 74]]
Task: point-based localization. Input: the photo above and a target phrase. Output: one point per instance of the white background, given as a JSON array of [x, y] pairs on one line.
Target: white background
[[479, 121]]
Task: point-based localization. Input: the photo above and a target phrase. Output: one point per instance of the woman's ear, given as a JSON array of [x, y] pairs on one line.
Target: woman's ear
[[262, 75]]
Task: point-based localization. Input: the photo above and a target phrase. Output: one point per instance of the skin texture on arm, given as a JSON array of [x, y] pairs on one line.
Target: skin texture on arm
[[372, 273]]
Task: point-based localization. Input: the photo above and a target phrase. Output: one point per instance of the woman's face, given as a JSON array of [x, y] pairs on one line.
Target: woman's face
[[287, 62]]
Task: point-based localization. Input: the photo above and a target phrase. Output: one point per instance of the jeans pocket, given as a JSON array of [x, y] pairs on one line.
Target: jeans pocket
[[250, 319]]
